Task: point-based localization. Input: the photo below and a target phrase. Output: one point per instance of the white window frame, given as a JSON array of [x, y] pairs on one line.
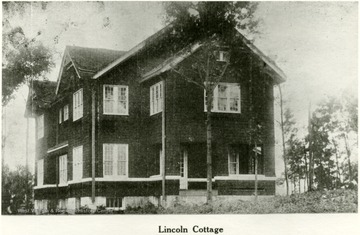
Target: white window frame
[[110, 163], [113, 201], [230, 163], [223, 56], [215, 104], [78, 104], [63, 169], [66, 112], [40, 172], [40, 126], [60, 115], [156, 98], [116, 101], [77, 163]]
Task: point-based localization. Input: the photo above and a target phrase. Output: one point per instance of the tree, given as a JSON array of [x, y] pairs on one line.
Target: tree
[[16, 189], [23, 60], [282, 124], [211, 24], [332, 124]]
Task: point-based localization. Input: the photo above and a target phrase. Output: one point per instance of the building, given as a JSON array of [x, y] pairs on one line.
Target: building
[[104, 127]]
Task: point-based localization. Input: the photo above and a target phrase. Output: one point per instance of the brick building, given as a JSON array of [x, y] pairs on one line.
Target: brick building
[[103, 128]]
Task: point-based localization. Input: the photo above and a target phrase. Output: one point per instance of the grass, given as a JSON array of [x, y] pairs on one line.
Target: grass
[[334, 201]]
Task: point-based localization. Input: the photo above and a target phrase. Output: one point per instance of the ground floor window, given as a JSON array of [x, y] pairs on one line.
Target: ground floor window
[[40, 172], [78, 163], [241, 160], [114, 202], [63, 169], [77, 203], [62, 204], [115, 160]]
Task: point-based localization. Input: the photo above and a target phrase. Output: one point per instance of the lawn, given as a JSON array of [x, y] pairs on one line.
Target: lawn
[[334, 201]]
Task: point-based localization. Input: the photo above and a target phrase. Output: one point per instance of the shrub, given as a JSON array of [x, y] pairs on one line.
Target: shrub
[[83, 210], [149, 208]]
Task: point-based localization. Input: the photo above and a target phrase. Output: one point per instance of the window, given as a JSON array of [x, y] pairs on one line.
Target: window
[[226, 98], [66, 112], [77, 163], [77, 203], [60, 116], [40, 126], [222, 56], [156, 98], [115, 157], [40, 172], [78, 105], [233, 161], [63, 169], [114, 202], [116, 100], [62, 204]]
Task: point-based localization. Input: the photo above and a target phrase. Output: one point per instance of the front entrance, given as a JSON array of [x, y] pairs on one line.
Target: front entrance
[[184, 169]]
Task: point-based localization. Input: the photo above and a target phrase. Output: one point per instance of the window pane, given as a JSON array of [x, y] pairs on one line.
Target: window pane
[[234, 91], [109, 104], [121, 107], [108, 159], [66, 112], [156, 98], [232, 168], [234, 105], [222, 91], [121, 170], [109, 93], [222, 104]]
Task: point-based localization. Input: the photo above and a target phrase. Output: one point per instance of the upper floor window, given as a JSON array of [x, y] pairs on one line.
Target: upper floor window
[[116, 100], [222, 56], [60, 116], [115, 158], [63, 169], [156, 98], [40, 126], [66, 112], [78, 105], [40, 172], [226, 98], [77, 163]]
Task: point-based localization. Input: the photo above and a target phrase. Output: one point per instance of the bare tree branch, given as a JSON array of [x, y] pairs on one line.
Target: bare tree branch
[[188, 79], [221, 75]]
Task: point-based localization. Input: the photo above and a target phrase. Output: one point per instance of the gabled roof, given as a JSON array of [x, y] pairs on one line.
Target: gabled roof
[[170, 62], [92, 59], [272, 68], [142, 45], [279, 74], [87, 60], [41, 95]]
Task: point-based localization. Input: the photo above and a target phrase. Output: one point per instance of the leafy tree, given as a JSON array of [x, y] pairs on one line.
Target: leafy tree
[[212, 24], [16, 189], [23, 60], [331, 125], [287, 127]]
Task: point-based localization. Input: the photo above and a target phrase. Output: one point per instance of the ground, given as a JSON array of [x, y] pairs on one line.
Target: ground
[[334, 201]]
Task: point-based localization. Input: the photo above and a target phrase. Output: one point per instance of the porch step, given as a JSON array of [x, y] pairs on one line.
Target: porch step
[[194, 192]]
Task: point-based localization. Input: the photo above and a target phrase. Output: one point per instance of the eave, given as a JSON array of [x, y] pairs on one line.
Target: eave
[[170, 63], [274, 71], [131, 52], [66, 54]]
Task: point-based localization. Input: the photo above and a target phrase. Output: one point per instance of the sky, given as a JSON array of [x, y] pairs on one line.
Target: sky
[[314, 43]]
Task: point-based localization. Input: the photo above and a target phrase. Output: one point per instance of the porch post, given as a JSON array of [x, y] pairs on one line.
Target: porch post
[[93, 145], [163, 140]]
